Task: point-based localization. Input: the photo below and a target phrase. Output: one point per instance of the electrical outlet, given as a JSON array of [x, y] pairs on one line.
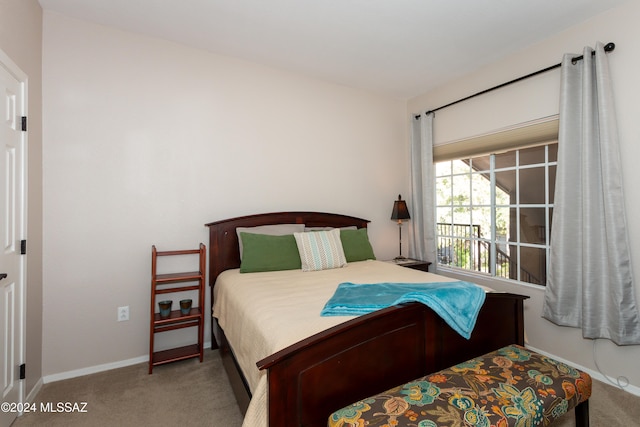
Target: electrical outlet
[[123, 313]]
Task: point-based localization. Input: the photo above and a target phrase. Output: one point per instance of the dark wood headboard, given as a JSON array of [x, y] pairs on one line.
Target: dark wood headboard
[[224, 252]]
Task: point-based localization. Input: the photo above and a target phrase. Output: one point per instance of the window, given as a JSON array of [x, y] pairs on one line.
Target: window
[[494, 213]]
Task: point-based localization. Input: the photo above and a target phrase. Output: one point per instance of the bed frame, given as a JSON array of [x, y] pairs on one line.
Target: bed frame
[[364, 356]]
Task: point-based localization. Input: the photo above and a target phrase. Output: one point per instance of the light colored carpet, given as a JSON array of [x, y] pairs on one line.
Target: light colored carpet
[[192, 394], [608, 407], [185, 393]]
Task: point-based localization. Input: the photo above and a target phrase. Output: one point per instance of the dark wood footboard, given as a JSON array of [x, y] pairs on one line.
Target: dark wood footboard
[[372, 353]]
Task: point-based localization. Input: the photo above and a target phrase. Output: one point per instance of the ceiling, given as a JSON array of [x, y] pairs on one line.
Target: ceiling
[[400, 48]]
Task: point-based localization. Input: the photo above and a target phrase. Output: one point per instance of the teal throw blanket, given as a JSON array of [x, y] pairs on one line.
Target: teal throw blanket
[[458, 303]]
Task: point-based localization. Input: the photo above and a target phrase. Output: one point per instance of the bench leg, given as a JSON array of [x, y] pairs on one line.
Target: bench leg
[[582, 414]]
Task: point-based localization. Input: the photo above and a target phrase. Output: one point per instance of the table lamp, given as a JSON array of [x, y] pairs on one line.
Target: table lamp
[[399, 213]]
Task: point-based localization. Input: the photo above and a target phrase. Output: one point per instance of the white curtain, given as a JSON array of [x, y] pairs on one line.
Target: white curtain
[[423, 243], [590, 280]]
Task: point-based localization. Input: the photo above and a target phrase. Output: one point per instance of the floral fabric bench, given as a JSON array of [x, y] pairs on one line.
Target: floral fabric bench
[[512, 386]]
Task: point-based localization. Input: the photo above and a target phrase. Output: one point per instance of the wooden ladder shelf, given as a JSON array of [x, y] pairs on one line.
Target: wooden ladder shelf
[[173, 283]]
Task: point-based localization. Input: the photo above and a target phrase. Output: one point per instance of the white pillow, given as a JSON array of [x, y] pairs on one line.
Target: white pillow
[[270, 230], [320, 250]]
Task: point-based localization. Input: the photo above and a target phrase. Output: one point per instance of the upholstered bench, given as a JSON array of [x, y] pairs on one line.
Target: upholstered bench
[[512, 386]]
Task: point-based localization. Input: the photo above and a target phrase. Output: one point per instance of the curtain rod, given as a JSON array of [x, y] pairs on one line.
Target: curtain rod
[[607, 48]]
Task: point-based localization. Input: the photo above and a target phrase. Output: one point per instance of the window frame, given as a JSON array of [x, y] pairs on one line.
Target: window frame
[[514, 208]]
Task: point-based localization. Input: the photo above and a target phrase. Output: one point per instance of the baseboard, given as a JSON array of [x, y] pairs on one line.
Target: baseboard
[[100, 368], [93, 369], [34, 391], [630, 388]]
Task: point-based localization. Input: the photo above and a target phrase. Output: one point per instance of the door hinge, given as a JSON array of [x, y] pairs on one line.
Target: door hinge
[[23, 247], [24, 123], [23, 371]]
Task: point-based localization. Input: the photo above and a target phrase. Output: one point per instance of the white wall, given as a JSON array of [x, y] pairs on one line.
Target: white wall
[[539, 97], [146, 141]]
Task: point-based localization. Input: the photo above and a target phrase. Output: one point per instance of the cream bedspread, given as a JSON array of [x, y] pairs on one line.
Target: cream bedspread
[[262, 313]]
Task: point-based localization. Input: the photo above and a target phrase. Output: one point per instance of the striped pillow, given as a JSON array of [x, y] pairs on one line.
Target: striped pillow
[[320, 250]]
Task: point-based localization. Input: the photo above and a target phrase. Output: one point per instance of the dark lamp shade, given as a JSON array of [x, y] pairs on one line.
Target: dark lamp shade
[[400, 210]]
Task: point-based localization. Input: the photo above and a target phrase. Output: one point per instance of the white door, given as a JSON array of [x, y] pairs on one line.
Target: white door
[[12, 231]]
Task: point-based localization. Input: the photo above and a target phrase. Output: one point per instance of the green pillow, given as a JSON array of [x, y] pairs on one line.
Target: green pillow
[[262, 252], [356, 246]]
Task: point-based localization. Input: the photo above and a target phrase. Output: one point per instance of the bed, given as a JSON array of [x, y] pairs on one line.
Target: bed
[[303, 382]]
